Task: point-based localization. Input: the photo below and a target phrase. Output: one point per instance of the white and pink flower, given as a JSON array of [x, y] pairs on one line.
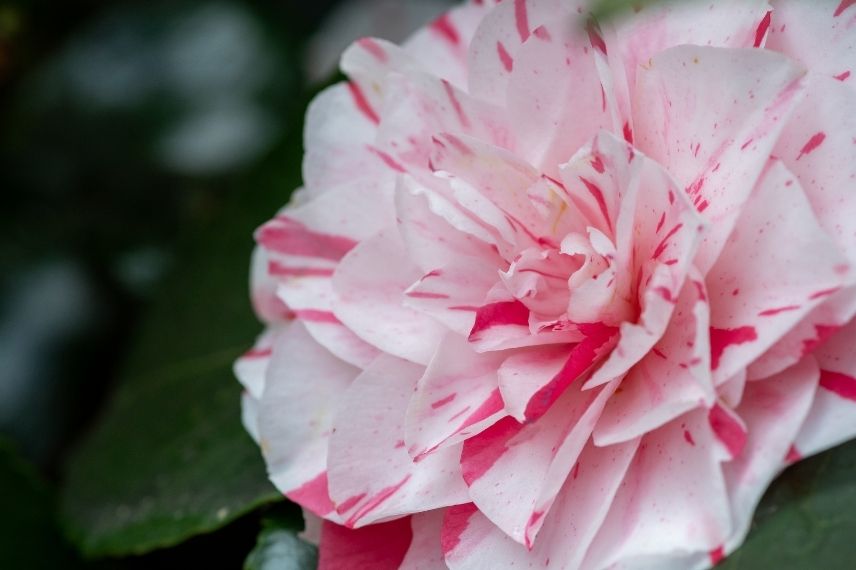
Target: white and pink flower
[[561, 294]]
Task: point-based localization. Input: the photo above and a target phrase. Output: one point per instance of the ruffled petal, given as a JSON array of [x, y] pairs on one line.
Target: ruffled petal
[[714, 136], [369, 285], [673, 499], [303, 385], [371, 475], [773, 410], [832, 418], [819, 34], [672, 379], [513, 499], [472, 542], [760, 289], [379, 547], [456, 398]]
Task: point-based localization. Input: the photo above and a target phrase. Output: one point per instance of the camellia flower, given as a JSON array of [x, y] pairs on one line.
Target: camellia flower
[[560, 293]]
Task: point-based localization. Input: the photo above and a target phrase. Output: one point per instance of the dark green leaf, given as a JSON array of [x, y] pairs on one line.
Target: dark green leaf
[[169, 459], [807, 519], [29, 537], [279, 548]]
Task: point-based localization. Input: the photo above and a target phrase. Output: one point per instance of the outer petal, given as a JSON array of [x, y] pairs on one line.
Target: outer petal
[[379, 547], [372, 477], [369, 284], [472, 542], [456, 398], [819, 34], [499, 38], [425, 552], [442, 47], [714, 136], [751, 309], [551, 97], [773, 410], [338, 126], [303, 385], [832, 418], [673, 499], [817, 146]]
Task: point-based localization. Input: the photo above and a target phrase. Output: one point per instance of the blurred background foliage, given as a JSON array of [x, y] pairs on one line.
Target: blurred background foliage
[[141, 142]]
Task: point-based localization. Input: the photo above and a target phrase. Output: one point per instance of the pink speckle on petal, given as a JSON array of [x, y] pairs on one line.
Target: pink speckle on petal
[[504, 57], [521, 19], [761, 32], [842, 76], [717, 555], [815, 141]]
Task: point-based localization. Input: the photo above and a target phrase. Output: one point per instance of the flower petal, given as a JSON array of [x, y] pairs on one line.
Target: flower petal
[[750, 310], [714, 136], [369, 285], [303, 385], [372, 476], [832, 418], [456, 398]]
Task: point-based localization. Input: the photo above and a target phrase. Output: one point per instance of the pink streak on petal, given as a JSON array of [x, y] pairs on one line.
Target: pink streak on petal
[[843, 6], [815, 141], [388, 160], [762, 28], [294, 238], [482, 451], [841, 384], [489, 407], [842, 76], [581, 357], [257, 353], [777, 310], [313, 495], [497, 314], [521, 19], [665, 241], [453, 99], [316, 316], [375, 501], [443, 401], [454, 524], [720, 339], [445, 29], [823, 293], [373, 48], [504, 57], [362, 103], [596, 192], [727, 429], [279, 270]]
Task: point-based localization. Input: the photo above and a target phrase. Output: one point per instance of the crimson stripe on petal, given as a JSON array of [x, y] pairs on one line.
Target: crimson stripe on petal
[[498, 314], [841, 384], [727, 429], [313, 496], [284, 235], [380, 546], [582, 356], [482, 451]]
